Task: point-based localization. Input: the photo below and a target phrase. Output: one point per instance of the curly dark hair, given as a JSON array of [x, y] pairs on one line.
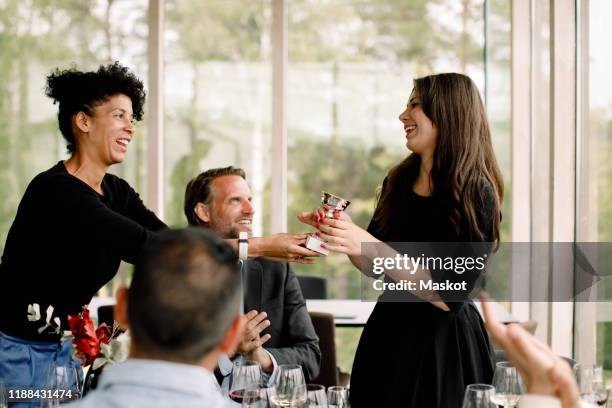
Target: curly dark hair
[[78, 91]]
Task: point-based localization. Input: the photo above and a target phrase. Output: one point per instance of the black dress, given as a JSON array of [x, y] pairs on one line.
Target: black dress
[[413, 354]]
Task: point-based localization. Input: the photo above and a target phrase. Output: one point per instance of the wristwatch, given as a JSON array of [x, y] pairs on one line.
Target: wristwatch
[[243, 245]]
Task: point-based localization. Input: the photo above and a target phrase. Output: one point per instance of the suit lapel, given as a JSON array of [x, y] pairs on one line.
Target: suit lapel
[[253, 282]]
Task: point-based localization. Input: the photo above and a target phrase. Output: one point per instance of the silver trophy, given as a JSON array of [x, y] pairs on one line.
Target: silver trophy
[[331, 203]]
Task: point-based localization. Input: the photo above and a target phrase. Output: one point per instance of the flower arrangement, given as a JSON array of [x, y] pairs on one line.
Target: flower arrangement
[[97, 346]]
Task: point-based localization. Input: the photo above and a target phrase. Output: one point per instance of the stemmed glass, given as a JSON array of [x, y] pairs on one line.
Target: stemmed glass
[[290, 387], [3, 397], [337, 397], [591, 385], [316, 396], [479, 396], [245, 376], [507, 383], [256, 397], [60, 379]]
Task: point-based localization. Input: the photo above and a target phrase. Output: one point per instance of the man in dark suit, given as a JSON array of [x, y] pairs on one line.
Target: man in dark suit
[[278, 329]]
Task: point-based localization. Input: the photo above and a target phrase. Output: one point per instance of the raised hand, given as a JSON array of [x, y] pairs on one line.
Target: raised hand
[[251, 344], [542, 371]]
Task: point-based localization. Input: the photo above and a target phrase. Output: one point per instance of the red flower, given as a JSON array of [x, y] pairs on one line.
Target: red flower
[[104, 333], [86, 338]]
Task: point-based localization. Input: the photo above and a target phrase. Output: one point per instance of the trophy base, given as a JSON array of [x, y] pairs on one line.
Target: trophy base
[[314, 244]]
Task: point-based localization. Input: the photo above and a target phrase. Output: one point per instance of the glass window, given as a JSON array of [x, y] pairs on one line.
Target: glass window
[[595, 186], [497, 94], [217, 97]]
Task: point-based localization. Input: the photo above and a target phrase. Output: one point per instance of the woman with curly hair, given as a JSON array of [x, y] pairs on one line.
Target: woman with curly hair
[[74, 225], [422, 348]]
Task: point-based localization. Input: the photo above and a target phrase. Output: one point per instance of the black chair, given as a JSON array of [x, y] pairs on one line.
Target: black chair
[[313, 287], [106, 314], [324, 327]]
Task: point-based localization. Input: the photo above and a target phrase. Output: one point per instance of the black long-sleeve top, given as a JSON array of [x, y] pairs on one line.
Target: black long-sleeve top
[[66, 242]]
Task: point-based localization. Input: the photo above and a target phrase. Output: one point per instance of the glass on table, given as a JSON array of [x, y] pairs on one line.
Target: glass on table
[[64, 382], [316, 396], [337, 397], [245, 376], [591, 385], [258, 397], [479, 396], [507, 383], [289, 387], [3, 395]]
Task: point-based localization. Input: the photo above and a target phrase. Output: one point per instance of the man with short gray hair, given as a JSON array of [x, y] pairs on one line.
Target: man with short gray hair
[[182, 310]]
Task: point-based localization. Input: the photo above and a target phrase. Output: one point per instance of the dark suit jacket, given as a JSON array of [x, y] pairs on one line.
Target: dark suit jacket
[[272, 287]]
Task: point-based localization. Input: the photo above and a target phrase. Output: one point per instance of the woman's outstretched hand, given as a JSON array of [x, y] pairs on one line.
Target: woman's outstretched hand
[[282, 247]]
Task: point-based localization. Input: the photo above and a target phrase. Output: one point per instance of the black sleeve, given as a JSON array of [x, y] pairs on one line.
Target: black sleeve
[[297, 331], [123, 236], [485, 207], [137, 211]]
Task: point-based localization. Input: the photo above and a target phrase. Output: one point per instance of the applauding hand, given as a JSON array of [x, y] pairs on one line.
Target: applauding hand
[[251, 344], [543, 372]]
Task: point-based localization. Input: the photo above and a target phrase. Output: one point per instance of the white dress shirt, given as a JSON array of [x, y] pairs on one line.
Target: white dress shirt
[[154, 383]]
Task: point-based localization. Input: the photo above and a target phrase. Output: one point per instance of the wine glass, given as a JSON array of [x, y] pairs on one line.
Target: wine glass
[[290, 387], [507, 383], [59, 380], [76, 370], [3, 397], [256, 397], [479, 396], [591, 385], [316, 397], [245, 376], [576, 368], [337, 397]]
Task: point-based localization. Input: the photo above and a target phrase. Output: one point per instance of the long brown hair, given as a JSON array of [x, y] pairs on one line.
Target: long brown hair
[[464, 163]]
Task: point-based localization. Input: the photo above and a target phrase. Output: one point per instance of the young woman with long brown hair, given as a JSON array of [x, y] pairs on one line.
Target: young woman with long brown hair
[[424, 350]]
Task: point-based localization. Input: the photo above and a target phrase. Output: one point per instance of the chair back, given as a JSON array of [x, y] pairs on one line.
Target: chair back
[[313, 287], [106, 314], [324, 327]]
